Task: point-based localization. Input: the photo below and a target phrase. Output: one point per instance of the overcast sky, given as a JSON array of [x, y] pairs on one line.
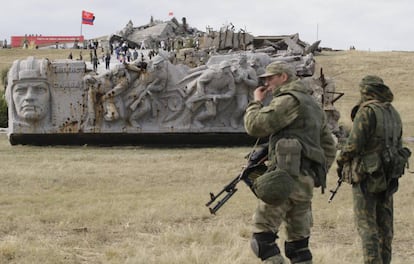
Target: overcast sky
[[376, 25]]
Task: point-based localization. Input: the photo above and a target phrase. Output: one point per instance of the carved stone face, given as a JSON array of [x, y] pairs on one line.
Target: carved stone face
[[31, 100]]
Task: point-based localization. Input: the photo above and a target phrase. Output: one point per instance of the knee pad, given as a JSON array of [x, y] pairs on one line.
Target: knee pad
[[298, 251], [264, 245]]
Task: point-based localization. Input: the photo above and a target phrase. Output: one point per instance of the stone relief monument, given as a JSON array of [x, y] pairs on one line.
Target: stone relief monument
[[59, 97], [157, 98]]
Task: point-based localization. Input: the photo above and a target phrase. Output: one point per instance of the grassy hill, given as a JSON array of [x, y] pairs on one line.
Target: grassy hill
[[146, 205]]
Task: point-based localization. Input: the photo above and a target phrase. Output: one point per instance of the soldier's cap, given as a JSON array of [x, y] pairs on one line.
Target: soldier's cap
[[278, 67], [29, 68]]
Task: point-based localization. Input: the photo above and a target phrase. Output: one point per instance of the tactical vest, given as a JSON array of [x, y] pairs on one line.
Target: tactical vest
[[388, 129], [383, 159], [306, 129]]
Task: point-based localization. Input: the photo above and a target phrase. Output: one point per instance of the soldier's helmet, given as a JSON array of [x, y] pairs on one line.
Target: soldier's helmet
[[274, 187], [29, 68]]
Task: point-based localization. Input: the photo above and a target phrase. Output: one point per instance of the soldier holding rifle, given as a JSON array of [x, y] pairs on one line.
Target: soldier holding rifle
[[301, 150]]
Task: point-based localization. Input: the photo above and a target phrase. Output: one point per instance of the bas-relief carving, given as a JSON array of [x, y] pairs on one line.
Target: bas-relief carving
[[167, 97], [211, 93], [44, 96], [246, 81], [136, 97]]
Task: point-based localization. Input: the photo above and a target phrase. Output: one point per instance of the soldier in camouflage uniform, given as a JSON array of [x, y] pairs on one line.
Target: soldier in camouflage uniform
[[301, 144], [376, 127]]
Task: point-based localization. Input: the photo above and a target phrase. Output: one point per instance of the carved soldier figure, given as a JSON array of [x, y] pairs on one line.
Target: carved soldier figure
[[148, 98], [111, 85], [213, 85], [120, 80], [246, 81]]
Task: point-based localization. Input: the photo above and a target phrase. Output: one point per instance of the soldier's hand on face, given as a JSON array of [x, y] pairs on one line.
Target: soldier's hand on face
[[260, 93]]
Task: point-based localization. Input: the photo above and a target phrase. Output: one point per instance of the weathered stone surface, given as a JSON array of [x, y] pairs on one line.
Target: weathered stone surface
[[45, 97], [61, 98]]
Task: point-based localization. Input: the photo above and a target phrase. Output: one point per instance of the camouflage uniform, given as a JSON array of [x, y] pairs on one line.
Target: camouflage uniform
[[373, 201], [292, 114]]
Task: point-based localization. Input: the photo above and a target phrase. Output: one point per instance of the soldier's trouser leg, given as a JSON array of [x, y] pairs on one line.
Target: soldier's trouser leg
[[210, 112], [374, 219], [298, 251], [296, 214], [386, 228]]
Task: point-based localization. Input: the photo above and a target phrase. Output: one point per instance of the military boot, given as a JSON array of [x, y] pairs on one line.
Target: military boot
[[277, 259]]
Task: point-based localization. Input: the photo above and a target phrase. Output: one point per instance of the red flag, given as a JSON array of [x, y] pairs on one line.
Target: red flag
[[170, 13], [87, 17]]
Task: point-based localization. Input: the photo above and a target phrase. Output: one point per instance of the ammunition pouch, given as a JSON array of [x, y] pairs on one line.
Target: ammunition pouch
[[373, 169], [290, 159], [274, 187], [366, 168], [379, 170], [395, 164], [396, 161], [317, 171], [349, 172], [288, 155]]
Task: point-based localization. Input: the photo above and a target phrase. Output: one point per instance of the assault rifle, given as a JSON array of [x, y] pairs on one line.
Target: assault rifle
[[256, 160], [338, 185]]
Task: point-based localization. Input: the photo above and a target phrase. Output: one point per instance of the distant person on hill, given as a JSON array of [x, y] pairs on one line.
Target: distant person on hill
[[91, 55], [135, 54], [372, 160], [95, 62], [107, 60]]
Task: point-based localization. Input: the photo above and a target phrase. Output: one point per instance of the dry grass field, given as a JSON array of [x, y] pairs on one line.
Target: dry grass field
[[136, 205]]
